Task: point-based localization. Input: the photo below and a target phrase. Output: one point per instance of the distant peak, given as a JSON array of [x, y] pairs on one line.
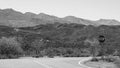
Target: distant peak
[[8, 10], [47, 15], [70, 17], [30, 13], [73, 17], [43, 14], [112, 20]]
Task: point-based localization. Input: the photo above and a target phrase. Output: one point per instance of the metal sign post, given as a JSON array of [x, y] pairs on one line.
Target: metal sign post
[[101, 40]]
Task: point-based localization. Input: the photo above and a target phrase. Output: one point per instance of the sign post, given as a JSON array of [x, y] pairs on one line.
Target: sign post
[[101, 40]]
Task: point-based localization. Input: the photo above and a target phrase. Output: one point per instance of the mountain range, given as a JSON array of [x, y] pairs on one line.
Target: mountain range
[[13, 18]]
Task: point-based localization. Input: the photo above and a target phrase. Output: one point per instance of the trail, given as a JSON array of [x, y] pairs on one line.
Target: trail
[[45, 63], [82, 61], [46, 66]]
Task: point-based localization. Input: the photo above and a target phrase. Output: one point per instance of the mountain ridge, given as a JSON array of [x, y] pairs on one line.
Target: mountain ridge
[[11, 17]]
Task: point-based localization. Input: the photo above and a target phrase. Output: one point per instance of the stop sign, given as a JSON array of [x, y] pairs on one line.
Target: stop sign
[[101, 38]]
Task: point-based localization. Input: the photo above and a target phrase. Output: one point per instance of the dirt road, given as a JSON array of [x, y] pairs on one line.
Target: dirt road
[[44, 63]]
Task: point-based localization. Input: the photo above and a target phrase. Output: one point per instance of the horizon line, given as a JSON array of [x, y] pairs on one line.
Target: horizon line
[[59, 16]]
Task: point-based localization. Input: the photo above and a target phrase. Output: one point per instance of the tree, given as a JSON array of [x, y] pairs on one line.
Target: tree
[[10, 47], [93, 45]]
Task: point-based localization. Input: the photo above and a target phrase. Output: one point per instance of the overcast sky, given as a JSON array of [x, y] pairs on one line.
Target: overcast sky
[[88, 9]]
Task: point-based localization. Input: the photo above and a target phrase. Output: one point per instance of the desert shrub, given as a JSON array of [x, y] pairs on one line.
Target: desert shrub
[[95, 59], [34, 48], [85, 53], [10, 48], [50, 52], [117, 62], [3, 56], [110, 59]]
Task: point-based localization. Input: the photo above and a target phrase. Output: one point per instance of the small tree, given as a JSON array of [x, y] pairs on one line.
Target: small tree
[[10, 47], [94, 46], [37, 45]]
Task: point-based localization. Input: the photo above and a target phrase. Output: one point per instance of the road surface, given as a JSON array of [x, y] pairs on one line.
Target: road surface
[[44, 63]]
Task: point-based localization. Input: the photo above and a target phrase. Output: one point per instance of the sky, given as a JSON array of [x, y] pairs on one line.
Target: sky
[[87, 9]]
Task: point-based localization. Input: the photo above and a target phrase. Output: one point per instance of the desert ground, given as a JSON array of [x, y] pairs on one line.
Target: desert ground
[[101, 64], [44, 63]]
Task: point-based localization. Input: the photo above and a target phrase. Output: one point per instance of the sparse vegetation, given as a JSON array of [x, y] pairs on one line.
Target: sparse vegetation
[[65, 40]]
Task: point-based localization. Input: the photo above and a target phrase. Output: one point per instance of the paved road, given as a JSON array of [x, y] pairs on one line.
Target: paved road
[[43, 63]]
